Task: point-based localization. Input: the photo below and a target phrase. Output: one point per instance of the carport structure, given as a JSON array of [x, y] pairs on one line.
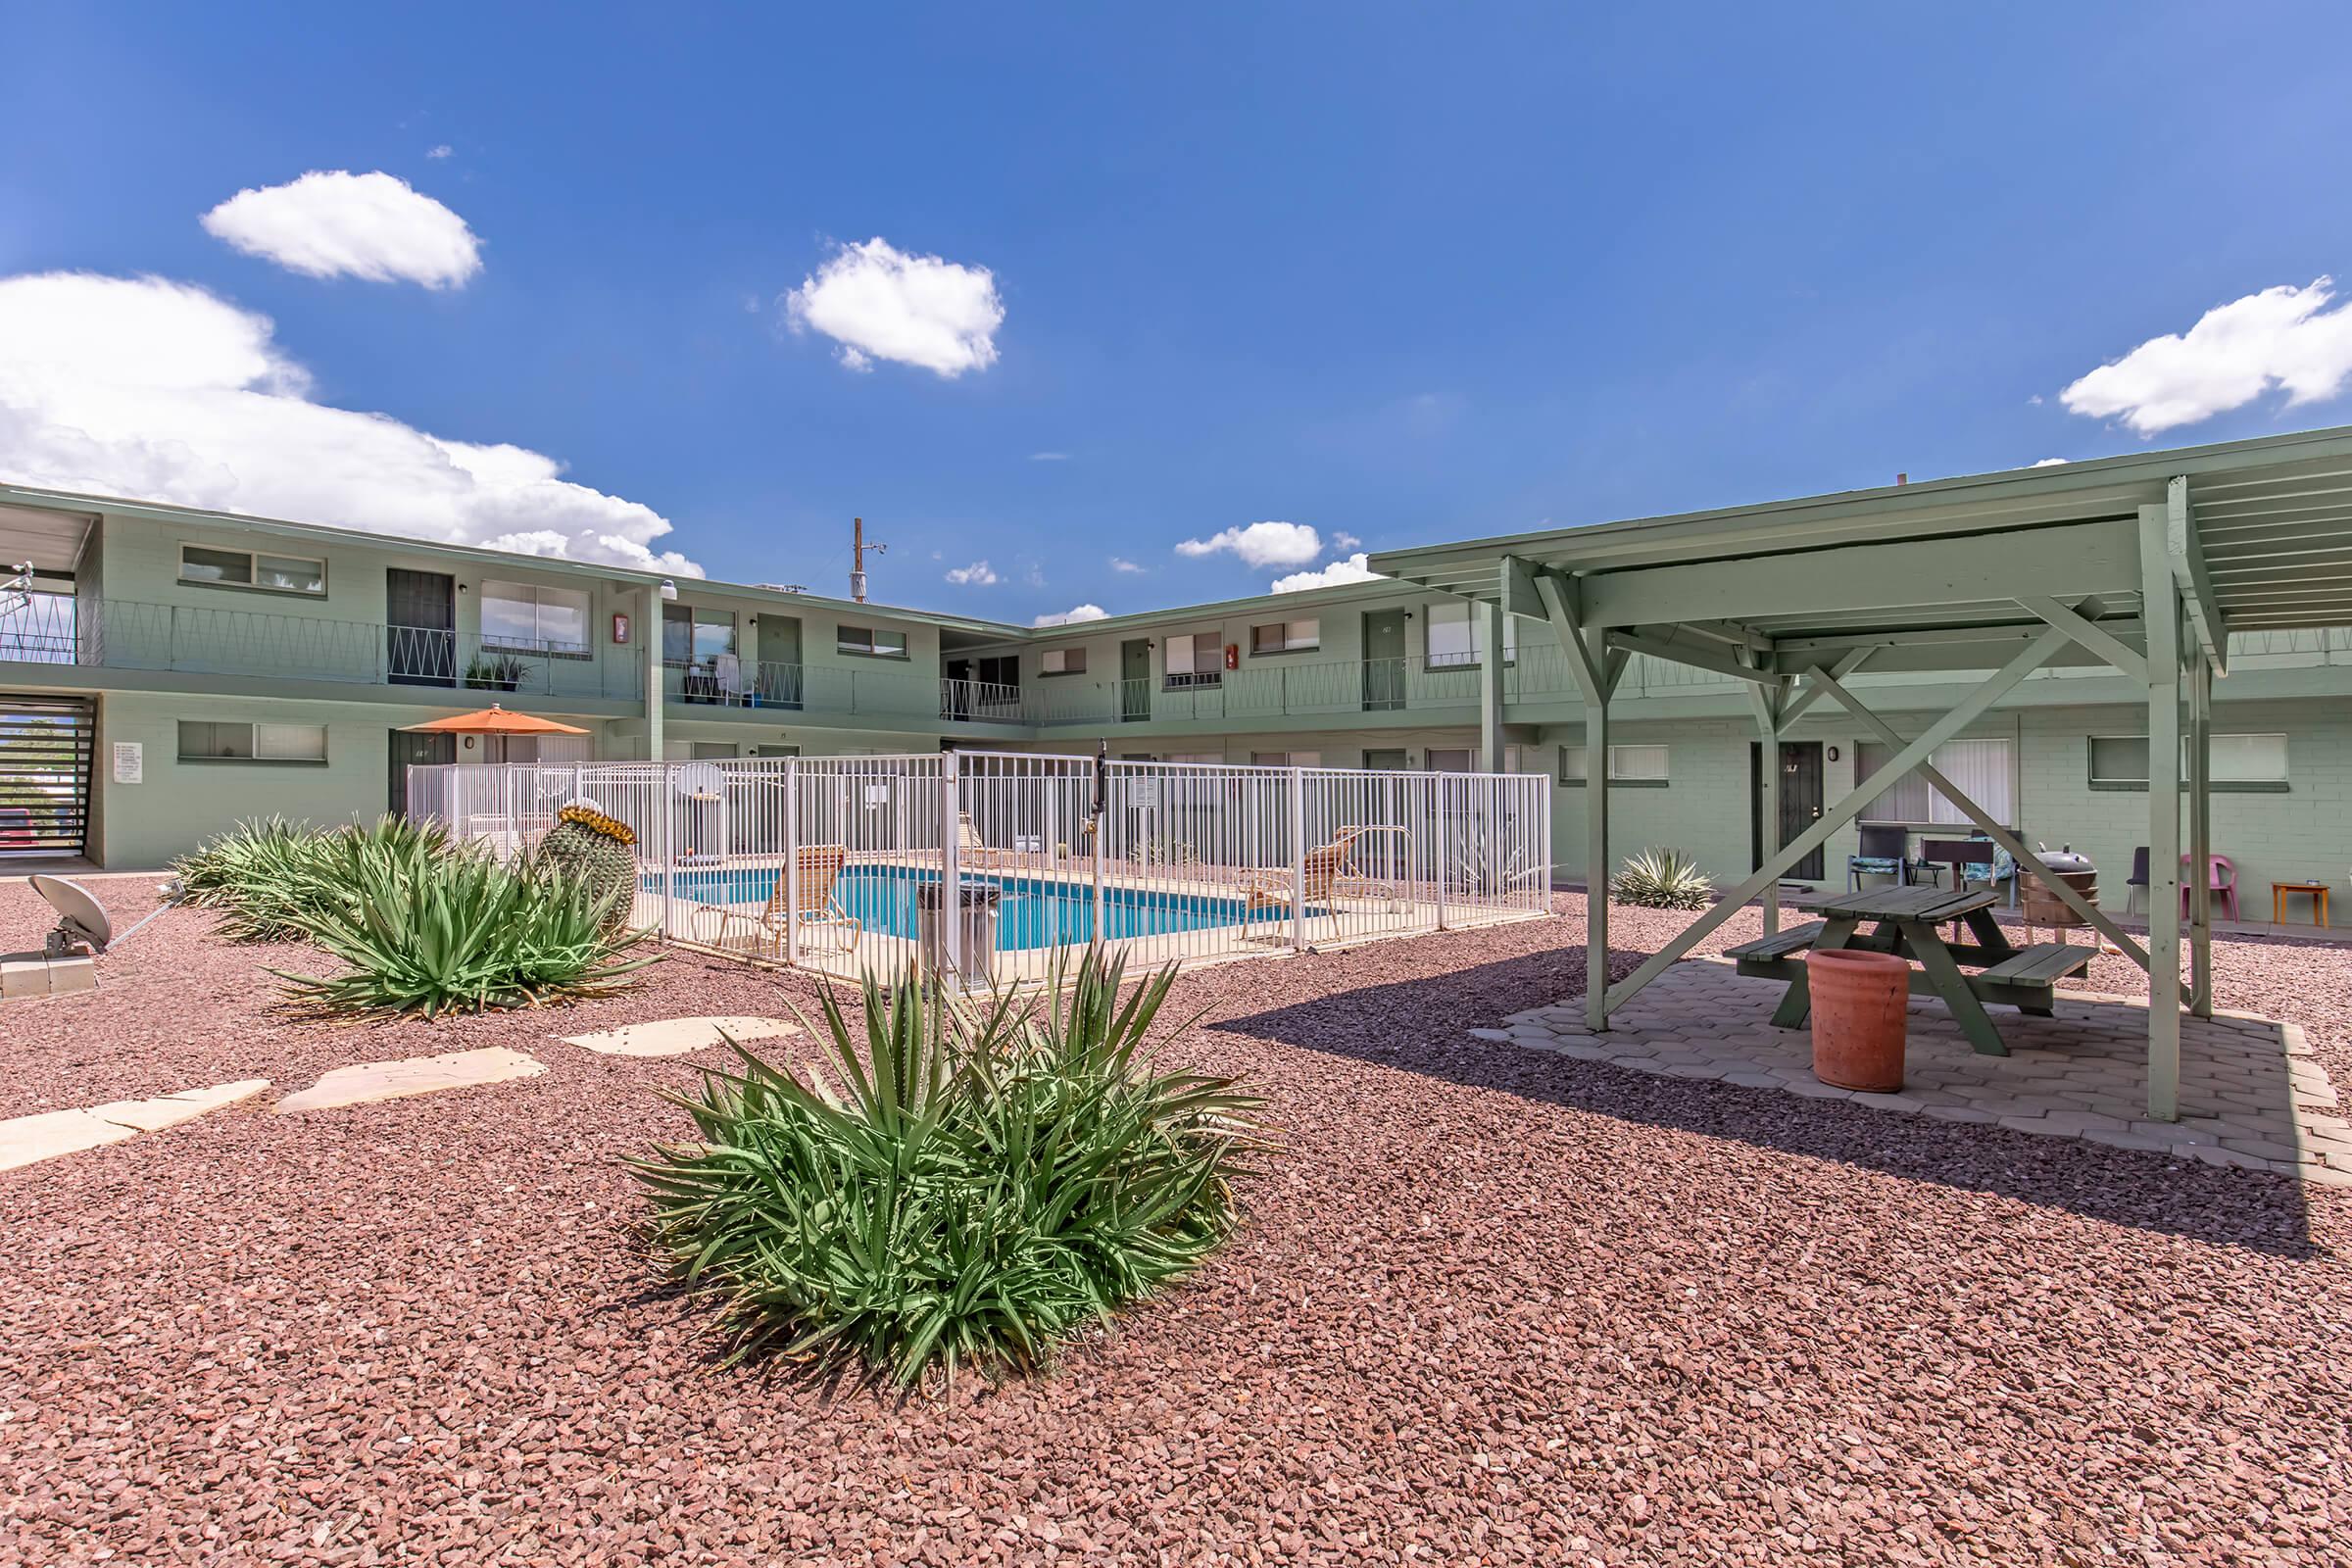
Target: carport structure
[[2143, 563]]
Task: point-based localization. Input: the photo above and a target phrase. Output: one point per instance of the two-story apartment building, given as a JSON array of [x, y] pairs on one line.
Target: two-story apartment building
[[165, 671]]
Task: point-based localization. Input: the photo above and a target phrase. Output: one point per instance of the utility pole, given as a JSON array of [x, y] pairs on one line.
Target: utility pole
[[857, 549]]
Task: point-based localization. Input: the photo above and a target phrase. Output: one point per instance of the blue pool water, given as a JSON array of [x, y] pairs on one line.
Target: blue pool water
[[1036, 912]]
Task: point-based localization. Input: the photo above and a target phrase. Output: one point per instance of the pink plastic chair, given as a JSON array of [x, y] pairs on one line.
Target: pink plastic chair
[[2222, 875]]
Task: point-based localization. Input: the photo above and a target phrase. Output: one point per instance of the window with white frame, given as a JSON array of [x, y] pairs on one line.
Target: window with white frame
[[1286, 636], [1627, 764], [1457, 635], [1062, 661], [1984, 770], [1192, 658], [870, 642], [1286, 759], [528, 615], [251, 569], [2239, 761], [214, 741]]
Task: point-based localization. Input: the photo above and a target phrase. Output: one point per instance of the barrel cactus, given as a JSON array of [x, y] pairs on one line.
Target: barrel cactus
[[598, 850]]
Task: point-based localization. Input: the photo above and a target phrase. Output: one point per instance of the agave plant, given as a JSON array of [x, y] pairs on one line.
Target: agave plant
[[451, 932], [1662, 879], [265, 876], [959, 1186]]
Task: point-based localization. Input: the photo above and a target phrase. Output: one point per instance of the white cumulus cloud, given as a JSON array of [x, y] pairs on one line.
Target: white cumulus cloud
[[2049, 462], [158, 390], [1261, 544], [1121, 564], [979, 574], [442, 151], [879, 302], [1344, 540], [2282, 337], [331, 224], [1351, 569], [1070, 617]]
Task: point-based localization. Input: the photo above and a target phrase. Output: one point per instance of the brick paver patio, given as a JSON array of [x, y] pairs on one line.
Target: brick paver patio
[[2251, 1094]]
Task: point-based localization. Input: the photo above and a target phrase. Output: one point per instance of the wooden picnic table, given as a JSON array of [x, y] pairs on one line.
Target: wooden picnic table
[[1908, 923]]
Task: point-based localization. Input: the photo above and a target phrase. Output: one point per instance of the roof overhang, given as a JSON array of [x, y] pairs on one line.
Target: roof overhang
[[2258, 534]]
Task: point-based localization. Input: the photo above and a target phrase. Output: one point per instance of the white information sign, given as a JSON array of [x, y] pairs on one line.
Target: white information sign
[[130, 762]]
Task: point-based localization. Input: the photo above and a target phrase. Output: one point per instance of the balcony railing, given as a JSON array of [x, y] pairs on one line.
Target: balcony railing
[[124, 634], [723, 682]]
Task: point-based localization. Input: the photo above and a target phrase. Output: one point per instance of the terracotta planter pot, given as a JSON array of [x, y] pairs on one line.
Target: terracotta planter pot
[[1858, 1019]]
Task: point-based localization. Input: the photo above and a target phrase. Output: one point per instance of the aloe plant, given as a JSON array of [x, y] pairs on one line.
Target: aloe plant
[[956, 1186], [1662, 879]]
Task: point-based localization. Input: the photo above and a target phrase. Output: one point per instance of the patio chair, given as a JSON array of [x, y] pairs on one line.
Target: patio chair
[[1327, 873], [974, 852], [2137, 882], [2220, 877], [819, 908], [1885, 852]]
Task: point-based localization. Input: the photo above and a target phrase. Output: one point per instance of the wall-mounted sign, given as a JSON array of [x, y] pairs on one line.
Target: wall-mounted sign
[[621, 630], [130, 762]]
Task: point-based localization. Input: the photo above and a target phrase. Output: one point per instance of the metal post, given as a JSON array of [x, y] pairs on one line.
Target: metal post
[[2200, 835], [1436, 840], [2160, 613], [1298, 860], [664, 806], [792, 860], [651, 633], [1596, 843], [1768, 776], [951, 870]]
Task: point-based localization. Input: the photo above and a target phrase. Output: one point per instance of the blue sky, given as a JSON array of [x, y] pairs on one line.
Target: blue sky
[[1396, 273]]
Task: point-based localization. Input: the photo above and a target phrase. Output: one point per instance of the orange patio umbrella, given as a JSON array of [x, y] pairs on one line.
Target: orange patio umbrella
[[493, 721]]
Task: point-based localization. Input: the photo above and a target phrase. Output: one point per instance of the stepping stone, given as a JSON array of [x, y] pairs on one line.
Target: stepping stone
[[675, 1036], [30, 1138], [364, 1083]]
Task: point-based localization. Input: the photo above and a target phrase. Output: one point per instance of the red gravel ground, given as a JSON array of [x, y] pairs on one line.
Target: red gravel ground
[[1490, 1306]]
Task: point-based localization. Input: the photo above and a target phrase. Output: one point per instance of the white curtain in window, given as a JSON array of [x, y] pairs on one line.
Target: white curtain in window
[[1984, 769]]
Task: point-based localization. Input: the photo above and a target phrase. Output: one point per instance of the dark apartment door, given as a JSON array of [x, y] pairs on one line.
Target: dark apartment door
[[420, 634], [1387, 759], [1135, 680], [1800, 803], [779, 670], [1384, 660], [421, 750]]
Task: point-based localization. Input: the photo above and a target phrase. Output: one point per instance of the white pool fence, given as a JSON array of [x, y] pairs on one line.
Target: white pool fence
[[1159, 861]]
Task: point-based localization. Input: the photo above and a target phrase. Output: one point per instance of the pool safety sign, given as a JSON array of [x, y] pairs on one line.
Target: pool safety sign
[[130, 762]]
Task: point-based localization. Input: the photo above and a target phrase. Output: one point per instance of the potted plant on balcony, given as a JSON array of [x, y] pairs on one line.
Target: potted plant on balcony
[[496, 672]]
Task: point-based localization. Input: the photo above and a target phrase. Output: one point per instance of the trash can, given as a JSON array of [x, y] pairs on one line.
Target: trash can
[[978, 905]]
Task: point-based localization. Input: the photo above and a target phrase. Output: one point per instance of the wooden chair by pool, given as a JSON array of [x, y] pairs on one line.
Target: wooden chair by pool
[[820, 910], [1327, 873]]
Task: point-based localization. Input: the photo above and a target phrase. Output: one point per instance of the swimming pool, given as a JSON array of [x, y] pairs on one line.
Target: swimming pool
[[1036, 912]]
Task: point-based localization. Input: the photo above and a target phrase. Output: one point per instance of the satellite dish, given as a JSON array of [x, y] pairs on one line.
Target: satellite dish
[[702, 781], [80, 919]]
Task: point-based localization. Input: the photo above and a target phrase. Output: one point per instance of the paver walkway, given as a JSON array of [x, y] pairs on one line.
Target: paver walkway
[[364, 1083], [26, 1140], [676, 1037], [2251, 1094]]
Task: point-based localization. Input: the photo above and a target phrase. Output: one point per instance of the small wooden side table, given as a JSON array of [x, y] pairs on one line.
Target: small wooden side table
[[2317, 892]]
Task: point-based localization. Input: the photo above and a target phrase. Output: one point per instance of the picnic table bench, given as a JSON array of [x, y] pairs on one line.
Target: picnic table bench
[[1908, 923]]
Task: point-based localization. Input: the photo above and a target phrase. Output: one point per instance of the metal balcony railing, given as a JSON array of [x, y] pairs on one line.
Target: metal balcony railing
[[125, 634]]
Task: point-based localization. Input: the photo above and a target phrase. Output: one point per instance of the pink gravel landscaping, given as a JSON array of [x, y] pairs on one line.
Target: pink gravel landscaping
[[1489, 1306]]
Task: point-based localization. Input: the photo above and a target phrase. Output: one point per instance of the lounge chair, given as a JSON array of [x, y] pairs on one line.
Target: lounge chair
[[1326, 874], [974, 852], [763, 935]]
